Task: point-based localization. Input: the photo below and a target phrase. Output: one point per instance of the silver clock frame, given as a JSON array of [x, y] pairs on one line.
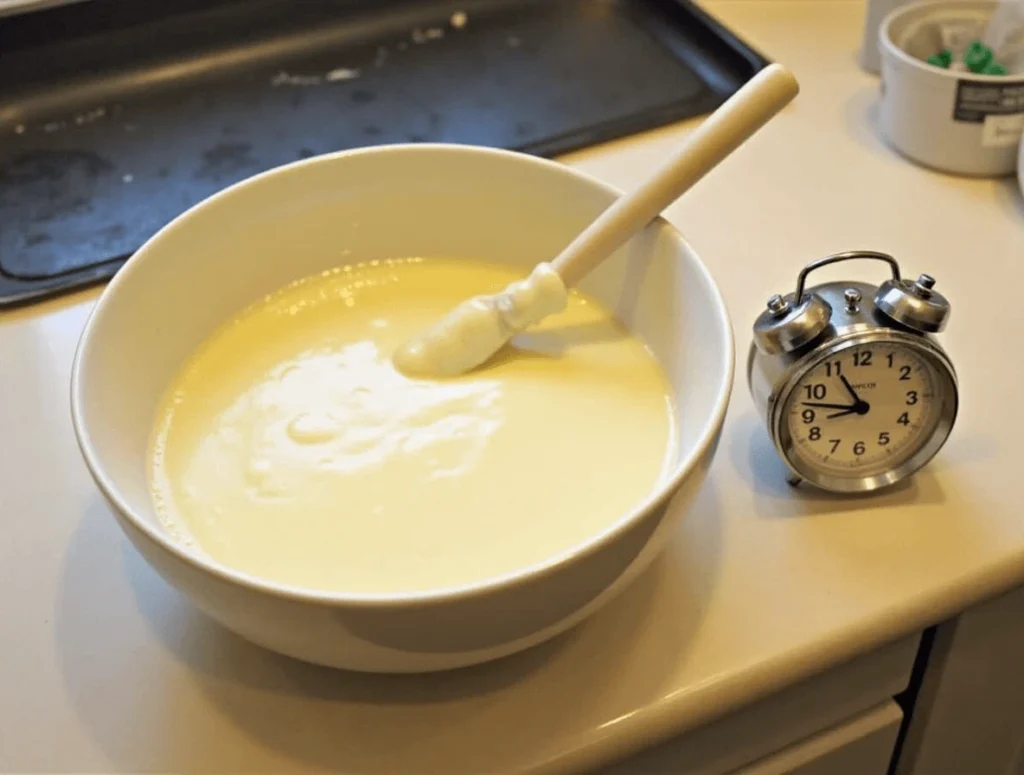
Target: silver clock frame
[[853, 321]]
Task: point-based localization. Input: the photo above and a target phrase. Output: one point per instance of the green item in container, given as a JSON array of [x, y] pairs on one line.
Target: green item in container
[[943, 59], [994, 68], [977, 57]]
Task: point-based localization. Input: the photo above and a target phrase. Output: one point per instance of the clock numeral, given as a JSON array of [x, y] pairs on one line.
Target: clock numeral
[[904, 373], [904, 419], [835, 443], [815, 433], [815, 391], [883, 438], [858, 448], [862, 358], [911, 397], [833, 367], [889, 358], [808, 415]]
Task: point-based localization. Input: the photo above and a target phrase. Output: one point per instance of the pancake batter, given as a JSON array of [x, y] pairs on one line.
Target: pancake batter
[[290, 447]]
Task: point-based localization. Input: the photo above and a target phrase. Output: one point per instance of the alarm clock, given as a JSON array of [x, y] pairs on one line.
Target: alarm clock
[[849, 380]]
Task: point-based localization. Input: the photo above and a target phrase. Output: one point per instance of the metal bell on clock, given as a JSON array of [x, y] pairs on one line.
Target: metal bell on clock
[[789, 323], [914, 305]]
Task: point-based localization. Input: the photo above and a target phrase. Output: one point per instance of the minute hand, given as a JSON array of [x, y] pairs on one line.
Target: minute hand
[[817, 405], [841, 414]]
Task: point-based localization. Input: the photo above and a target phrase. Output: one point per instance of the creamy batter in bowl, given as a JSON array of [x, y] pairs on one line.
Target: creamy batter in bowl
[[459, 203]]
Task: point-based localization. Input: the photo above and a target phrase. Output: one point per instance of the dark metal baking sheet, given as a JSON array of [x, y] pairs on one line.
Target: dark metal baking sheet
[[116, 115]]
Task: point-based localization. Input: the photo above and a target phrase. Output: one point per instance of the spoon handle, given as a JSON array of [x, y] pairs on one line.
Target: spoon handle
[[719, 135]]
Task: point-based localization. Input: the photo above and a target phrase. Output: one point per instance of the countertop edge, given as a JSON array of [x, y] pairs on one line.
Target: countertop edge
[[678, 714]]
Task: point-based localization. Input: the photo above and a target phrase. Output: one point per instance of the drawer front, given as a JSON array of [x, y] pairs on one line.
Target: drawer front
[[861, 746], [969, 713], [782, 719]]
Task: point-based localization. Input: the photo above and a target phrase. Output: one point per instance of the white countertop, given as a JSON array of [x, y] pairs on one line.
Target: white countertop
[[105, 668]]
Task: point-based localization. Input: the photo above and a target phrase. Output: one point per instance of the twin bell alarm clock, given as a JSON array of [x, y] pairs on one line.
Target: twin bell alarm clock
[[854, 390]]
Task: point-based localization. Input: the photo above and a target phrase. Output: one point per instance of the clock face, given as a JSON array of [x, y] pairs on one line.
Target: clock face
[[864, 410]]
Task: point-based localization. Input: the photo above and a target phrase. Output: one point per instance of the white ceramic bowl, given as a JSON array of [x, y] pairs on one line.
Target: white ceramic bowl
[[926, 112], [453, 201]]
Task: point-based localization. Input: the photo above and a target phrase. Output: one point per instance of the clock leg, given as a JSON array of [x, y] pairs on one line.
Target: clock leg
[[793, 480]]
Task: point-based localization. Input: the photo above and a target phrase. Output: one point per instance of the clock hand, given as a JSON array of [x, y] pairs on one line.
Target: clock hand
[[859, 406], [818, 405], [852, 410], [849, 389]]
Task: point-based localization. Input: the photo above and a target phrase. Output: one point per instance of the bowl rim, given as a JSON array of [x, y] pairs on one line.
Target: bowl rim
[[890, 47], [659, 496]]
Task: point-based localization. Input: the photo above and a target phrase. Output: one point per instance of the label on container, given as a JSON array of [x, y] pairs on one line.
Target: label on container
[[1002, 131], [975, 101]]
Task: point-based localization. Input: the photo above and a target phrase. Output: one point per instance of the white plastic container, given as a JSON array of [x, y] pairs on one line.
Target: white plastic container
[[1020, 166], [957, 122], [874, 15]]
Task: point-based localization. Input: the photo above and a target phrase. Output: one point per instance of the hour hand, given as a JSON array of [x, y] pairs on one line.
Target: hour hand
[[849, 388], [818, 405], [859, 406]]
